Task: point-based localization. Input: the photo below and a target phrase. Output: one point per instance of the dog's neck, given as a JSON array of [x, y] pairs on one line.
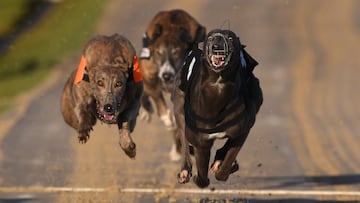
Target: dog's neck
[[221, 80]]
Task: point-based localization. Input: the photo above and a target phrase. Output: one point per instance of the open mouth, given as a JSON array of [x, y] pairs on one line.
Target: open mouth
[[105, 116], [218, 60], [218, 55]]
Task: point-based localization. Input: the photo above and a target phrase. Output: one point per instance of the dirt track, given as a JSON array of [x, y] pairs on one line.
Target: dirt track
[[306, 136]]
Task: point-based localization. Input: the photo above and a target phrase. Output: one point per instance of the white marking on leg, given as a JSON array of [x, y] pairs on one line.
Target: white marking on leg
[[168, 120], [174, 154]]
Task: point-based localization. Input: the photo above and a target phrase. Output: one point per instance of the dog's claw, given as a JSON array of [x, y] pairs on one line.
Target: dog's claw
[[184, 176], [215, 167], [83, 138]]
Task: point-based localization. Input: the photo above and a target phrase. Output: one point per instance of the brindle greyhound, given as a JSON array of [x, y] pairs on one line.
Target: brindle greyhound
[[107, 86], [168, 37]]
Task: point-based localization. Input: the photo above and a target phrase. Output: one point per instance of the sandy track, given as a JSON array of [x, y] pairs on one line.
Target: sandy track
[[306, 136]]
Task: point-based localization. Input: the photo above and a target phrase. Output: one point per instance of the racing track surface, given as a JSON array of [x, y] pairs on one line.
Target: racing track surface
[[306, 137]]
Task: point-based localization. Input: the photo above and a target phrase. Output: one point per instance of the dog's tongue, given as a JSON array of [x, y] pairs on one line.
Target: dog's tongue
[[108, 117], [217, 60]]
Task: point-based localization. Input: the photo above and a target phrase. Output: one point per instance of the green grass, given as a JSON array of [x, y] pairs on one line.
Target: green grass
[[62, 32], [11, 12]]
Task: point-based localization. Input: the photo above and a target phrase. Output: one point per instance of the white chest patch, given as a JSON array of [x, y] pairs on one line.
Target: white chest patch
[[218, 84], [218, 135]]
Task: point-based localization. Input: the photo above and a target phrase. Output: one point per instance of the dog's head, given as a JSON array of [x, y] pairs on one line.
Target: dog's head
[[220, 47], [108, 86], [168, 54], [169, 38], [109, 64]]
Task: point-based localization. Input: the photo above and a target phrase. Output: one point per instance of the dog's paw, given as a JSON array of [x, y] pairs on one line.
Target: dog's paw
[[222, 175], [130, 150], [184, 176], [215, 166], [201, 183], [83, 138]]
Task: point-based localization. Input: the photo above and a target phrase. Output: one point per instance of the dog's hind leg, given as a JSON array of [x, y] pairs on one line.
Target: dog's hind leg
[[153, 90], [147, 108]]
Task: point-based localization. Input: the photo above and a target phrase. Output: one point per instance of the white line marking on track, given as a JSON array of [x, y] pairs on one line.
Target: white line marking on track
[[185, 191]]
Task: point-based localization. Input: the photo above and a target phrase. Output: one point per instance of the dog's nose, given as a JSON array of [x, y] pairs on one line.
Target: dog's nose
[[108, 108], [218, 47], [167, 77]]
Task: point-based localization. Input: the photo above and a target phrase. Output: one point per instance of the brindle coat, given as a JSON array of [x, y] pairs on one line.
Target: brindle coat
[[168, 37], [108, 91]]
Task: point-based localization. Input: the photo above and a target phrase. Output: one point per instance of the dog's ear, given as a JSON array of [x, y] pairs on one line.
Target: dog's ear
[[246, 60], [250, 61], [200, 34], [185, 35], [158, 29]]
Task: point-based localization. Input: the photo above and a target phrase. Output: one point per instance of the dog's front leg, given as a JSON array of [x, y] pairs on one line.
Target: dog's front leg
[[225, 159], [186, 166], [86, 121], [202, 157], [126, 142]]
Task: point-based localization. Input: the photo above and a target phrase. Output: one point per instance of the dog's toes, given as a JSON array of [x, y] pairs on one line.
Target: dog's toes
[[83, 138], [222, 175], [184, 177], [215, 166], [130, 151], [200, 182]]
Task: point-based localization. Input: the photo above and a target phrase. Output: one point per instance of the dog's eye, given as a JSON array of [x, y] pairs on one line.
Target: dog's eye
[[210, 38], [230, 38], [159, 52], [118, 84], [100, 83]]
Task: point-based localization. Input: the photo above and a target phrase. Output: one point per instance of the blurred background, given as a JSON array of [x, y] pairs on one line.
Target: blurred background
[[306, 137]]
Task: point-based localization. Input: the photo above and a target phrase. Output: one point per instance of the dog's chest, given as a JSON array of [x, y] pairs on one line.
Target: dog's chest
[[217, 92], [218, 85]]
